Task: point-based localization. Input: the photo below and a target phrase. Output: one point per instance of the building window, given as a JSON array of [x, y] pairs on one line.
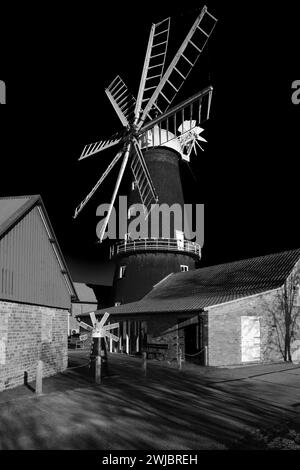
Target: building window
[[184, 268], [117, 304], [122, 271]]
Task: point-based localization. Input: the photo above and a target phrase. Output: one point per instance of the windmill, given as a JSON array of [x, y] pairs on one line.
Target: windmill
[[148, 121]]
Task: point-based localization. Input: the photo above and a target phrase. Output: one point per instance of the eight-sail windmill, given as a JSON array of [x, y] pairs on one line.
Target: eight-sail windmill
[[148, 120]]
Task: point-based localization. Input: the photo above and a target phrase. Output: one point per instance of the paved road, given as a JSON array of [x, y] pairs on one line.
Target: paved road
[[196, 408]]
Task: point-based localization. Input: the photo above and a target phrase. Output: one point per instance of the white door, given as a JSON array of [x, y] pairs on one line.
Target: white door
[[296, 351], [250, 339]]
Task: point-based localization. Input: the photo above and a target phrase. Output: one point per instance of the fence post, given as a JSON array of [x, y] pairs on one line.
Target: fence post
[[98, 363], [205, 356], [180, 358], [39, 378], [145, 363]]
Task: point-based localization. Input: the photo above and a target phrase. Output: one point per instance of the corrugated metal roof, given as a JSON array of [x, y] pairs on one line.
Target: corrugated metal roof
[[13, 212], [85, 293], [12, 208], [213, 285]]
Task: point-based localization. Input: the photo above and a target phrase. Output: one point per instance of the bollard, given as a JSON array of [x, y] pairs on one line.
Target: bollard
[[98, 370], [180, 359], [98, 363], [145, 363], [205, 356], [2, 92], [39, 378]]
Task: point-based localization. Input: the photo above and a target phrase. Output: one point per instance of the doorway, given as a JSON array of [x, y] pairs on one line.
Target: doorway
[[193, 343], [250, 339]]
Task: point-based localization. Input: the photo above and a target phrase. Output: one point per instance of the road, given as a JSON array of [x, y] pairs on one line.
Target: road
[[192, 409]]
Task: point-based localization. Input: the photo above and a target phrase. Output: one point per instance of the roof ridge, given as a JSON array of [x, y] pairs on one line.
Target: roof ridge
[[228, 263], [29, 196], [18, 212], [252, 258]]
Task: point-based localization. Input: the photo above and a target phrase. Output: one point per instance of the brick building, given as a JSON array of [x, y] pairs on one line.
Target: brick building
[[218, 315], [35, 293]]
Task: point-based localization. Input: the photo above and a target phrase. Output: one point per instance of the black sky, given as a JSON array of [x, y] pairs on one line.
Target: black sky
[[56, 65]]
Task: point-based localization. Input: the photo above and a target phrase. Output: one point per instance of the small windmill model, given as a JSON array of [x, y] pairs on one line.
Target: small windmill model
[[148, 120]]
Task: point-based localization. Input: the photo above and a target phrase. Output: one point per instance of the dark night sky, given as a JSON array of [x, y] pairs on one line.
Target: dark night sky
[[56, 67]]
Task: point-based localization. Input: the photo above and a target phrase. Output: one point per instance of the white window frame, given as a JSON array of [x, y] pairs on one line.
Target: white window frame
[[184, 268], [117, 304], [122, 271]]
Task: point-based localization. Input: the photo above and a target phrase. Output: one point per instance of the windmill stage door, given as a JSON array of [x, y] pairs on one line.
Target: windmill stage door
[[250, 339], [180, 239]]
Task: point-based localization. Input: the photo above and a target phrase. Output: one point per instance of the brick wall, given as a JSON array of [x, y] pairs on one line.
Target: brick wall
[[29, 333], [224, 330]]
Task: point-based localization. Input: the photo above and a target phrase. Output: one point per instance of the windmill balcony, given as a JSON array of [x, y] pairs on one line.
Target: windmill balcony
[[156, 244]]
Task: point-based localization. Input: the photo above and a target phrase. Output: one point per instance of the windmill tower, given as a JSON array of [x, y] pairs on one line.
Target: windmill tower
[[153, 140]]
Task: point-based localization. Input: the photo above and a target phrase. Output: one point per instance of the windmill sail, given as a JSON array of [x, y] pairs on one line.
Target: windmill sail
[[157, 90], [122, 100], [154, 63], [119, 179], [99, 182], [181, 65], [142, 177], [193, 112], [96, 147]]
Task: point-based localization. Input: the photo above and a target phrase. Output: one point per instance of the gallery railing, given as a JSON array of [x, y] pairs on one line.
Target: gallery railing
[[156, 244]]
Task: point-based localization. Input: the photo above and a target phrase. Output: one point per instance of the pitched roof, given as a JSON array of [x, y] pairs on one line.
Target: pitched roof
[[85, 293], [14, 208], [213, 285]]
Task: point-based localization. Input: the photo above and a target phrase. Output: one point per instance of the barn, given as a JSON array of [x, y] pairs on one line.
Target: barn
[[222, 315], [36, 291]]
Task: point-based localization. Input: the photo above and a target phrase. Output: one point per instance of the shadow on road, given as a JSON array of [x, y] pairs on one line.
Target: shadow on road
[[168, 409]]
